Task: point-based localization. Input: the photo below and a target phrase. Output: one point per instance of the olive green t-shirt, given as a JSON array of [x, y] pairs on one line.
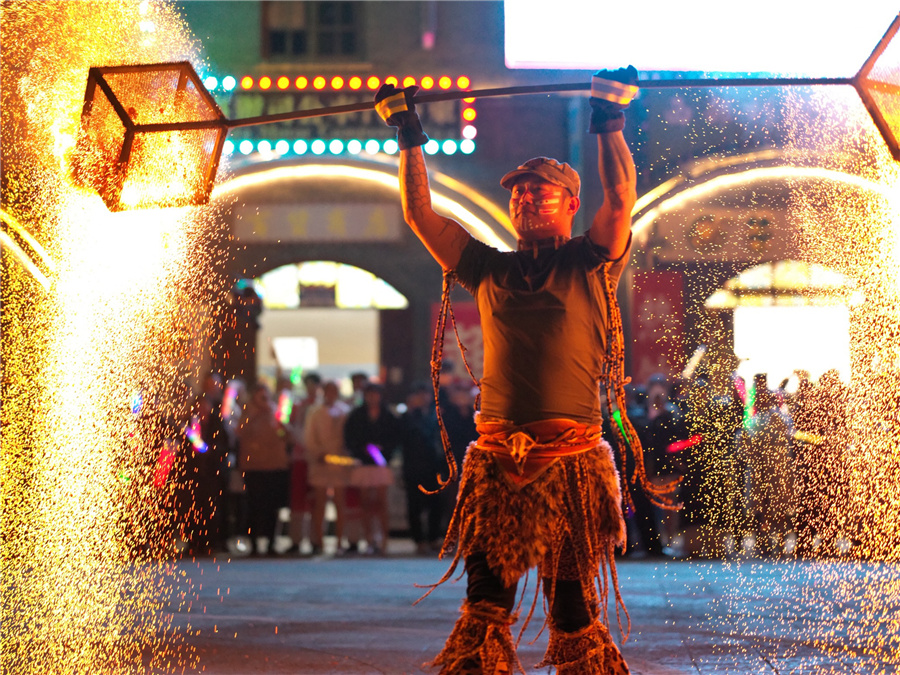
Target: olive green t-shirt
[[545, 326]]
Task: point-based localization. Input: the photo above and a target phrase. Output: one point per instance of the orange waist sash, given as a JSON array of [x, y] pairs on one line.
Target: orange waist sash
[[526, 451]]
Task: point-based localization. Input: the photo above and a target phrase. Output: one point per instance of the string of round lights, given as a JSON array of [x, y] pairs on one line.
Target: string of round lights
[[274, 148]]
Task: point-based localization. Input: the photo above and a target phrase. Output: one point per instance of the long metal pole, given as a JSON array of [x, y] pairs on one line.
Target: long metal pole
[[497, 91], [539, 89]]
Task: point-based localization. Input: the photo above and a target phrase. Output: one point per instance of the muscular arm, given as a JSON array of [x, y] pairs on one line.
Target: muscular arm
[[612, 224], [444, 238]]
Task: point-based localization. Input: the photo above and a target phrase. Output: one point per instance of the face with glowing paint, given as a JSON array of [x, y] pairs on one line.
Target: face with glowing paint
[[539, 209]]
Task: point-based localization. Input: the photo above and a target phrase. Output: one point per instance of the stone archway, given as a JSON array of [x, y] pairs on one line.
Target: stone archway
[[279, 213], [719, 218]]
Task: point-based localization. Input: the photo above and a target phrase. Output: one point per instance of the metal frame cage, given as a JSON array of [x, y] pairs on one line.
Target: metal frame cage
[[151, 136]]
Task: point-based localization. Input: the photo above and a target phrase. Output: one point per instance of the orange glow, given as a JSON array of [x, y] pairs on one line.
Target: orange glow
[[337, 82], [463, 82], [471, 99], [246, 82], [427, 82], [355, 82], [409, 81], [284, 82], [373, 82], [301, 82], [445, 82], [391, 80], [469, 114], [319, 82], [265, 82]]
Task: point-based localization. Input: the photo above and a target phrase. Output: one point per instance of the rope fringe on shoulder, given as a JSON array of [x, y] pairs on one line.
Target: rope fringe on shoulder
[[437, 357], [613, 381]]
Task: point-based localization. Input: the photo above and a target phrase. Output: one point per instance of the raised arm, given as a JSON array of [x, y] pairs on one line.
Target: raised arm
[[611, 92], [444, 238]]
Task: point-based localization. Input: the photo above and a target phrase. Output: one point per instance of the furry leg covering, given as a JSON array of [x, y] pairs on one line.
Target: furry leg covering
[[589, 651], [480, 643]]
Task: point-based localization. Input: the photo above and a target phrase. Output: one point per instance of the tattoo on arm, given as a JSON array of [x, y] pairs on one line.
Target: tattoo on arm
[[444, 237]]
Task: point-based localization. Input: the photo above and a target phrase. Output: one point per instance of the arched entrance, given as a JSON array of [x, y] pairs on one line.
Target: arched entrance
[[283, 213], [788, 316], [325, 317], [722, 217]]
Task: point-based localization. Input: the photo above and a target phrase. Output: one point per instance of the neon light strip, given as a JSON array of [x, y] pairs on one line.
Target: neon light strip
[[31, 241], [389, 180], [24, 260], [314, 83], [749, 177], [19, 254]]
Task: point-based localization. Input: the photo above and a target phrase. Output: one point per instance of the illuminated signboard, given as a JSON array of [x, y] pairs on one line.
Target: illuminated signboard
[[785, 37]]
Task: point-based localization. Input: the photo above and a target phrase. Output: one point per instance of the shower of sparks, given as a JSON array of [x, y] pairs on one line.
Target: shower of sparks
[[832, 525], [88, 581]]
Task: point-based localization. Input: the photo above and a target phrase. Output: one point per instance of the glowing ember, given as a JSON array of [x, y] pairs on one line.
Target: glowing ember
[[87, 469]]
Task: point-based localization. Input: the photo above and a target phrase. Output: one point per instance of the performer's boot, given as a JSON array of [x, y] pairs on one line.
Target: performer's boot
[[481, 643], [589, 651]]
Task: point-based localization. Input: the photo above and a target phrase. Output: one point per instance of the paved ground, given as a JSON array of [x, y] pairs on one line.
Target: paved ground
[[356, 615]]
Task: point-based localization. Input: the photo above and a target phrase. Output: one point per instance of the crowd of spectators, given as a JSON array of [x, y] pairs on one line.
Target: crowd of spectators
[[246, 458], [760, 467]]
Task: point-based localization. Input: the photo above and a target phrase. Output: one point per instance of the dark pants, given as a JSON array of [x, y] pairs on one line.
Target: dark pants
[[267, 492], [569, 611]]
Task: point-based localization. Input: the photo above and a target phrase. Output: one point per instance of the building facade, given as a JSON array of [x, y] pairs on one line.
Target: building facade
[[716, 167]]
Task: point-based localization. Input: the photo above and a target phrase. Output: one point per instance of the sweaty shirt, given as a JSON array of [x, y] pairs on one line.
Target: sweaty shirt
[[545, 326]]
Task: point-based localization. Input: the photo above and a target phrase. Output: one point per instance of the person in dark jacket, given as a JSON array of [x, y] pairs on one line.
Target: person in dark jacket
[[372, 434], [421, 450]]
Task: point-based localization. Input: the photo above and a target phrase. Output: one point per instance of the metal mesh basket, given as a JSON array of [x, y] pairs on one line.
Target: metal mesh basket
[[151, 136], [878, 85]]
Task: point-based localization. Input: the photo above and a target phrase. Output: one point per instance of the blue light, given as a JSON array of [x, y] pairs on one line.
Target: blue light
[[210, 83], [354, 147], [229, 83], [282, 147], [264, 146], [449, 147], [372, 146], [246, 147], [467, 147], [432, 147], [336, 146], [318, 146], [300, 147], [391, 147], [228, 147]]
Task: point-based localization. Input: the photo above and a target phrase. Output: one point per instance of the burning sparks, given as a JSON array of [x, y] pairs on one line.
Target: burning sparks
[[118, 308], [832, 583]]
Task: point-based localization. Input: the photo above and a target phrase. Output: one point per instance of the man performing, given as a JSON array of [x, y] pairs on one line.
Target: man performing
[[539, 487]]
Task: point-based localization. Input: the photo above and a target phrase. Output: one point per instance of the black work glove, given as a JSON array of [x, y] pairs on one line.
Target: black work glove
[[395, 106], [611, 92]]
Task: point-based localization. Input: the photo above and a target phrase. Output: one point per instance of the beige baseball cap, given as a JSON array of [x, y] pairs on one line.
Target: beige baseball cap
[[552, 171]]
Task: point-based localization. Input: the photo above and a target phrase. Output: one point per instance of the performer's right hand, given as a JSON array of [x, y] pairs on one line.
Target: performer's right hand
[[397, 108], [611, 93]]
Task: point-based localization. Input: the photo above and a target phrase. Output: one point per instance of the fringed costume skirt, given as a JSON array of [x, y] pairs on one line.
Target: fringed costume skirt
[[543, 495]]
